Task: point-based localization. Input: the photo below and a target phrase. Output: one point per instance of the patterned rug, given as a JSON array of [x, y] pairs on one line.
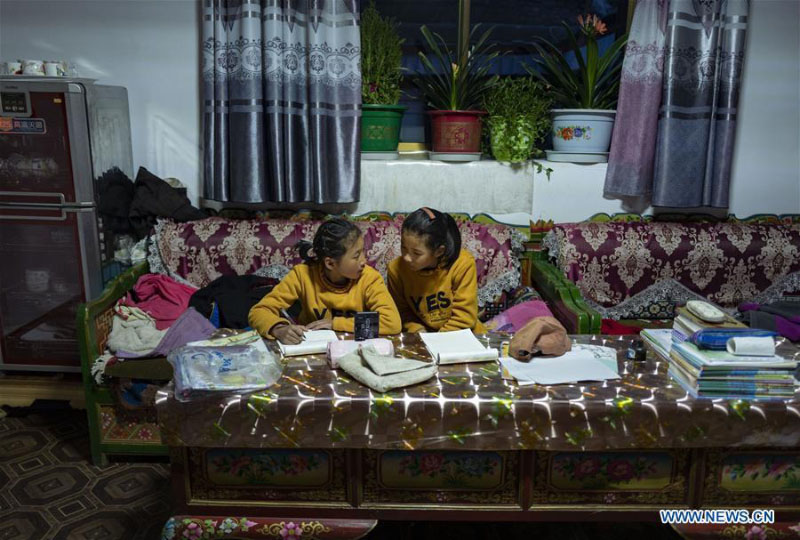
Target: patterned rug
[[48, 490]]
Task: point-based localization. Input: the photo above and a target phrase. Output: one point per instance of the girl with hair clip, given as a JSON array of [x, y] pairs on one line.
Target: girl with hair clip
[[434, 282], [332, 285]]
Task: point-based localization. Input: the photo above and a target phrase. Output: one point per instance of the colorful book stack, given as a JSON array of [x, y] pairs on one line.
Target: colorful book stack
[[719, 374]]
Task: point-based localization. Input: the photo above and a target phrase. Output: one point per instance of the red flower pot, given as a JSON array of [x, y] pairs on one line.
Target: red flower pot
[[456, 131]]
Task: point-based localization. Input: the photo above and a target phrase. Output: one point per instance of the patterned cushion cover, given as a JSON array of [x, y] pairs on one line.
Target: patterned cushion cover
[[636, 269], [198, 252]]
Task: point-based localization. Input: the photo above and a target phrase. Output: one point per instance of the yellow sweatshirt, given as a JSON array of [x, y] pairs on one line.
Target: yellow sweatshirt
[[321, 299], [437, 300]]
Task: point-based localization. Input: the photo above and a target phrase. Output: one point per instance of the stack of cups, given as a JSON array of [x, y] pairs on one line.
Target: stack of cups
[[40, 68]]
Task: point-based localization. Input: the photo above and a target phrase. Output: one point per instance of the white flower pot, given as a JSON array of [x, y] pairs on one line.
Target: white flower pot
[[582, 130]]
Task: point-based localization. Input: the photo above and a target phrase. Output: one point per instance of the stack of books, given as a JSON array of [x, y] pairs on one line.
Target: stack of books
[[659, 339], [686, 324], [719, 374]]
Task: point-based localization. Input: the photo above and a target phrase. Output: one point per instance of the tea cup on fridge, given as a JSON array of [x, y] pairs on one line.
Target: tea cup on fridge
[[33, 67], [37, 279], [15, 67], [54, 69]]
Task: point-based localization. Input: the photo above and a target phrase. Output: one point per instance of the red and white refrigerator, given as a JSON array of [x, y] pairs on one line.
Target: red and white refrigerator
[[57, 136]]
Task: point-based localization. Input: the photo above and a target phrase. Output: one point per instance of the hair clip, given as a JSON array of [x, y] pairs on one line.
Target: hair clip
[[429, 212]]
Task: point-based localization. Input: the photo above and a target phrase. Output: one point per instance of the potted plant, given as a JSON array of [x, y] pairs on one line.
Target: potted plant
[[454, 88], [588, 93], [381, 73], [519, 118]]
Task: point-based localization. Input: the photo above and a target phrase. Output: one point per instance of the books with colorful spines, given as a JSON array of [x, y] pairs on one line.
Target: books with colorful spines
[[718, 371], [694, 389], [723, 360]]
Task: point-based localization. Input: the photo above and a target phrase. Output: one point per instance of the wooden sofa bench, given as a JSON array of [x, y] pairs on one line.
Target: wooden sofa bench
[[628, 266], [256, 244]]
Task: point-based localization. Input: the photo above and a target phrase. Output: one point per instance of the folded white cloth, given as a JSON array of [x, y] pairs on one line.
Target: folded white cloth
[[751, 346], [359, 365], [386, 365], [339, 348]]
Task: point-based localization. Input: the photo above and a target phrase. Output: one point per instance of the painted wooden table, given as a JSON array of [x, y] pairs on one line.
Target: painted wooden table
[[323, 453]]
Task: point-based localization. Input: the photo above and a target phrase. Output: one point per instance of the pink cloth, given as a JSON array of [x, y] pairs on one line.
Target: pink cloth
[[513, 319], [161, 297]]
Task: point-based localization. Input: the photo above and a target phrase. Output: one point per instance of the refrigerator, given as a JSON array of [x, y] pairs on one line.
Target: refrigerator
[[57, 136]]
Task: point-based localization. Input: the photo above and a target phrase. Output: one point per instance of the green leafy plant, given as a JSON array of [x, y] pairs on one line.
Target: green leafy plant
[[381, 58], [595, 84], [452, 84], [518, 118]]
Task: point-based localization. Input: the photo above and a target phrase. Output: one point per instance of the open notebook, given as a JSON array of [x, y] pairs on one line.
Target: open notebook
[[314, 342], [457, 347]]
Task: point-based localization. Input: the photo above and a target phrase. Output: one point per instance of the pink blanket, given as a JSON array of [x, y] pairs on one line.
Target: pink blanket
[[161, 297], [513, 319]]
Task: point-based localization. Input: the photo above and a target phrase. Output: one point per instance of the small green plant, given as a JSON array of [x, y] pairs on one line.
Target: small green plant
[[450, 84], [595, 84], [381, 58], [519, 118]]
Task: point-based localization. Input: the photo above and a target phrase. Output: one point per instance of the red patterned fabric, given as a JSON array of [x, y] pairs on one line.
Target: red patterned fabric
[[727, 263], [200, 251]]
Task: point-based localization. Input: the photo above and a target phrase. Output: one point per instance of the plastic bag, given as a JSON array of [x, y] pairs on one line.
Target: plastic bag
[[201, 371]]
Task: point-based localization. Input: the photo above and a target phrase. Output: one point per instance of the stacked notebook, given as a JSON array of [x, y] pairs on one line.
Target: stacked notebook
[[719, 374], [686, 324], [659, 339]]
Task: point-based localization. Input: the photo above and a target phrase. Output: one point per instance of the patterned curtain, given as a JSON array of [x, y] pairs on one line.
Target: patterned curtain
[[633, 142], [703, 44], [282, 99]]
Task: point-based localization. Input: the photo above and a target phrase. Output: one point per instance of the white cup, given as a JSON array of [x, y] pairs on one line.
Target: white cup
[[37, 279], [33, 67], [54, 69], [15, 68]]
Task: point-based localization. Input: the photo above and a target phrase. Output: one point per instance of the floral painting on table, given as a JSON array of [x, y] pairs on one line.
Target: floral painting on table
[[441, 470], [289, 468], [761, 472], [600, 470]]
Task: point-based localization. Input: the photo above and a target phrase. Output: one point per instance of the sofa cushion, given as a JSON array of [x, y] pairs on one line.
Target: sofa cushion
[[622, 269], [200, 251]]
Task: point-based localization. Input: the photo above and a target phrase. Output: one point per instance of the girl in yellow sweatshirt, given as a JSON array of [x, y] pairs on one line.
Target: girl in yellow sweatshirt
[[331, 286], [434, 282]]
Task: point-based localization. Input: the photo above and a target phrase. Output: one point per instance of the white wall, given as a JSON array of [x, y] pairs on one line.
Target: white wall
[[152, 48]]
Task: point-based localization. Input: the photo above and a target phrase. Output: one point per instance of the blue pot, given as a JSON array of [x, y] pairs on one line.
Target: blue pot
[[582, 130]]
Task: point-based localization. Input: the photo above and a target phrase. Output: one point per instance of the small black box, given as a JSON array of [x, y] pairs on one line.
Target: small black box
[[366, 325]]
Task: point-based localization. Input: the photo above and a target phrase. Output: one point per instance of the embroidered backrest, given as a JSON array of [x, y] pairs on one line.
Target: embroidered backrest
[[198, 252], [624, 268]]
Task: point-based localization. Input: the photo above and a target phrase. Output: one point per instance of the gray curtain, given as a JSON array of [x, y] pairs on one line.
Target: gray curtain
[[703, 44], [282, 100]]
